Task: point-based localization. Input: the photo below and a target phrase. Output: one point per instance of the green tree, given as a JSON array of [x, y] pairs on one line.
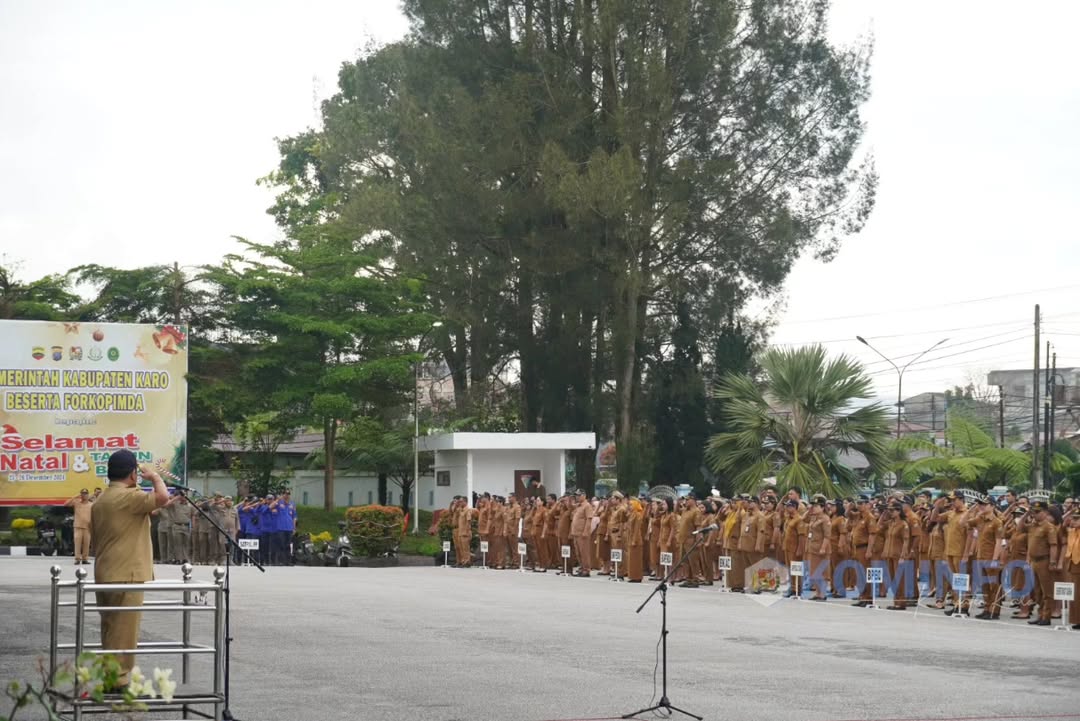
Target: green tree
[[385, 448], [796, 424], [679, 409], [556, 170], [327, 329], [48, 298], [254, 462]]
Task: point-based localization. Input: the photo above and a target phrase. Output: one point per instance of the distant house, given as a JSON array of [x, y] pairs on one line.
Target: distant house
[[1019, 391]]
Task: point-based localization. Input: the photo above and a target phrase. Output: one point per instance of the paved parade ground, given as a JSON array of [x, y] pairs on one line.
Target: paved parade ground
[[424, 643]]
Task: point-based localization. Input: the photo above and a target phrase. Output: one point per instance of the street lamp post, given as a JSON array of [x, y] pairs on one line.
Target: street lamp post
[[416, 427], [899, 373]]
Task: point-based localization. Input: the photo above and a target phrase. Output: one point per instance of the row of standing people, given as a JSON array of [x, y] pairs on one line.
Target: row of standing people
[[1016, 551]]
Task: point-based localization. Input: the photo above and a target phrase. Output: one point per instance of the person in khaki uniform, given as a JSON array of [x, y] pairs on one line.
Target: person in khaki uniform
[[603, 540], [989, 552], [688, 523], [751, 535], [121, 527], [539, 521], [463, 518], [82, 504], [180, 537], [635, 542], [950, 511], [551, 532], [617, 519], [818, 528], [896, 550], [794, 542], [1070, 564], [1043, 557], [581, 517], [510, 531]]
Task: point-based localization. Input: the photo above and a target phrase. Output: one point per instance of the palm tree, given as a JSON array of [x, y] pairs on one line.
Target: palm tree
[[798, 422]]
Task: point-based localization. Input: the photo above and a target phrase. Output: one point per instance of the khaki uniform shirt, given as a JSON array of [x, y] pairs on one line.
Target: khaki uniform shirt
[[121, 528]]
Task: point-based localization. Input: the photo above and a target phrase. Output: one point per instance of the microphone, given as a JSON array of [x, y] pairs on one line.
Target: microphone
[[713, 527]]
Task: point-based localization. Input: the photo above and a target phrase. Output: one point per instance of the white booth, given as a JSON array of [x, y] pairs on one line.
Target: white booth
[[500, 463]]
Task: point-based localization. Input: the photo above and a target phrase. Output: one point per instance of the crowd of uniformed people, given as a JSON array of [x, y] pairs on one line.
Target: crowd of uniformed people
[[1011, 550], [184, 535]]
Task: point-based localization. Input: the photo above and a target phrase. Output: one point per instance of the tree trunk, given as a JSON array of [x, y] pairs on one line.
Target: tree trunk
[[329, 443], [530, 377]]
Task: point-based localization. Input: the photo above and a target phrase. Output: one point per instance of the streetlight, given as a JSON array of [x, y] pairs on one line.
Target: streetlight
[[900, 373], [416, 427]]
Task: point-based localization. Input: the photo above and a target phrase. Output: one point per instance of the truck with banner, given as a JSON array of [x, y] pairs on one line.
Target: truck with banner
[[72, 393]]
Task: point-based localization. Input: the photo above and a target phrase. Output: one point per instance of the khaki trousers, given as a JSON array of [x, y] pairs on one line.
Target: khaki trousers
[[82, 544], [120, 629], [1044, 588], [584, 553]]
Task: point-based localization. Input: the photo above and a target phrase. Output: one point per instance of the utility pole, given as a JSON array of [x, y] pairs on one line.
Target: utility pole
[[1001, 416], [1053, 407], [1046, 422], [933, 417], [1035, 475]]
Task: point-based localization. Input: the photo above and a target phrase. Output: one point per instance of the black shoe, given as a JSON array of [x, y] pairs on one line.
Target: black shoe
[[1039, 622], [896, 608], [688, 584], [818, 598], [984, 616], [954, 609], [1076, 627], [861, 604]]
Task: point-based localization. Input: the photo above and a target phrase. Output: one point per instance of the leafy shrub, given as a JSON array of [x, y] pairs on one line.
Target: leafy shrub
[[23, 537], [20, 524], [374, 530]]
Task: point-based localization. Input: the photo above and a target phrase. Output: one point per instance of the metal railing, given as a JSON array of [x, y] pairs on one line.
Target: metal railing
[[186, 697]]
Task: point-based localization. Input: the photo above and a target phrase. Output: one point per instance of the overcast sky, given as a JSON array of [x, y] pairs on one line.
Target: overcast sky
[[132, 133]]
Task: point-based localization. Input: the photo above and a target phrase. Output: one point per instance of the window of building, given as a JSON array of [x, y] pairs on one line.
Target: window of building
[[431, 498], [303, 499], [389, 498], [350, 498], [370, 498]]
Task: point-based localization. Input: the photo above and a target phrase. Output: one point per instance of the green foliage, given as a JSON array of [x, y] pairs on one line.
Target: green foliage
[[971, 460], [315, 519], [797, 421], [374, 531], [254, 469], [680, 408], [48, 298], [385, 448]]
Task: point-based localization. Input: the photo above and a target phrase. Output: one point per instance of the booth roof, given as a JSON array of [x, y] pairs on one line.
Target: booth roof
[[507, 441]]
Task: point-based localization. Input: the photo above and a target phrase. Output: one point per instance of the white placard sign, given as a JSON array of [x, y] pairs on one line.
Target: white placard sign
[[566, 551], [446, 546], [522, 549], [483, 546], [1064, 591], [725, 563], [616, 555], [961, 582], [249, 544], [796, 568], [875, 575], [666, 559]]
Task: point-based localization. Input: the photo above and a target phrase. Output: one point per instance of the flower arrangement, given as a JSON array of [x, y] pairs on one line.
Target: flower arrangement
[[92, 677]]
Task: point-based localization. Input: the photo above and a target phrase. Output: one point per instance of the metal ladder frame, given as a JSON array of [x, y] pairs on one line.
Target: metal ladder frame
[[184, 701]]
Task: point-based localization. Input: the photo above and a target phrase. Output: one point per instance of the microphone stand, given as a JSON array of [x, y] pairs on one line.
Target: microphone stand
[[230, 546], [662, 589]]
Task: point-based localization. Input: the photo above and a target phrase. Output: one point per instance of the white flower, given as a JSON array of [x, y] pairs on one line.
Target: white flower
[[162, 675], [82, 674], [167, 687], [137, 676]]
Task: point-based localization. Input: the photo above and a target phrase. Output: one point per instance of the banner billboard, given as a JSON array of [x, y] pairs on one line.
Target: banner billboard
[[72, 393]]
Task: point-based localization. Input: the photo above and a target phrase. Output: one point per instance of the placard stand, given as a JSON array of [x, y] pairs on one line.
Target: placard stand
[[616, 556], [796, 571], [961, 583], [565, 550], [665, 561], [446, 554], [248, 544], [483, 554], [724, 563], [874, 576], [523, 550], [1066, 593]]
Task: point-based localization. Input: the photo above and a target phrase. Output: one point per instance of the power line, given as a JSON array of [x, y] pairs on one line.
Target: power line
[[956, 345], [906, 335], [951, 355], [936, 306]]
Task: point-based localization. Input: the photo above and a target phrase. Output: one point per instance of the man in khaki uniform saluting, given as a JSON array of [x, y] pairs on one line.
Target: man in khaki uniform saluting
[[82, 504], [121, 528]]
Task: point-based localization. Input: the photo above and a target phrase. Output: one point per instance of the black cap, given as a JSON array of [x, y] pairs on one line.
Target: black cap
[[791, 503], [1039, 505], [121, 464], [982, 501], [863, 499]]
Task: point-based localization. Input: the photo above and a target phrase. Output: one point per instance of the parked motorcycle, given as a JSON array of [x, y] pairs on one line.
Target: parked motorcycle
[[304, 551], [338, 552], [47, 540]]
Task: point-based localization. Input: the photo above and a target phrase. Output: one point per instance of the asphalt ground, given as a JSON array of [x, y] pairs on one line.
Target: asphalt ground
[[442, 644]]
